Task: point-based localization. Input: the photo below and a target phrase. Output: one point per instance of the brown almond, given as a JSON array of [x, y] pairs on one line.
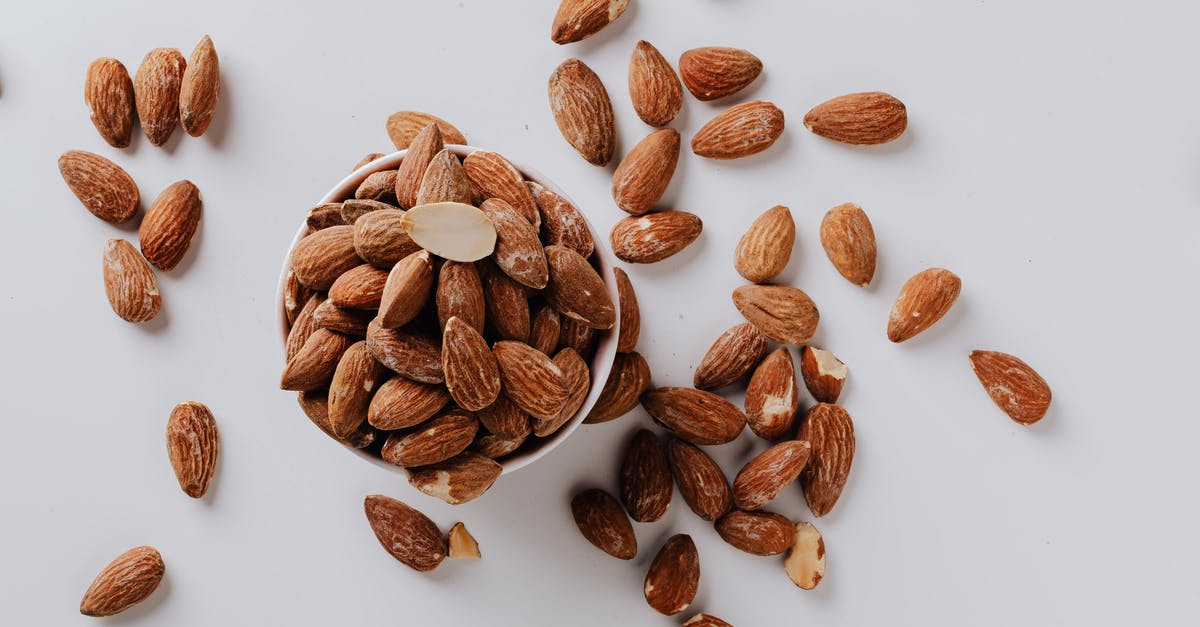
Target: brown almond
[[562, 222], [192, 447], [504, 418], [645, 478], [654, 88], [701, 483], [360, 287], [757, 533], [424, 147], [471, 369], [340, 319], [506, 304], [1015, 387], [401, 403], [461, 478], [354, 208], [460, 293], [824, 374], [380, 240], [731, 358], [655, 236], [697, 416], [156, 93], [863, 119], [314, 364], [772, 397], [200, 88], [602, 522], [579, 19], [462, 543], [367, 158], [583, 111], [495, 446], [102, 186], [322, 257], [577, 336], [295, 296], [739, 131], [631, 316], [406, 290], [437, 440], [531, 379], [129, 283], [714, 72], [784, 314], [705, 620], [518, 252], [576, 290], [922, 301], [405, 533], [127, 580], [805, 560], [674, 576], [544, 329], [354, 381], [830, 431], [578, 381], [380, 186], [315, 405], [496, 177], [303, 327], [108, 92], [764, 250], [765, 477], [628, 379], [444, 180], [644, 174], [403, 126], [406, 353], [849, 242], [325, 215]]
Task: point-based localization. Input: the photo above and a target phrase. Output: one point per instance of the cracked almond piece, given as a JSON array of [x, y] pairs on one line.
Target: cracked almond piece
[[405, 533], [849, 242], [601, 521], [863, 119], [772, 396], [462, 543], [824, 374], [764, 250], [715, 72], [579, 19], [697, 416], [674, 576], [731, 357], [127, 580], [1013, 385], [922, 301], [805, 560]]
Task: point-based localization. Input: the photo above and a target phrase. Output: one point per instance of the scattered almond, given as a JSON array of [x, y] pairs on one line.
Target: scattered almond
[[714, 72], [765, 477], [192, 446], [631, 316], [403, 126], [655, 236], [644, 174], [922, 301], [784, 314], [740, 131], [108, 92], [653, 86], [583, 111], [865, 119], [772, 397], [695, 415], [849, 242], [1015, 387], [674, 576], [757, 533], [731, 357], [129, 282], [579, 19], [156, 89], [701, 483], [830, 432], [603, 523], [405, 533], [705, 620], [764, 251], [200, 89], [824, 374], [101, 185], [127, 580]]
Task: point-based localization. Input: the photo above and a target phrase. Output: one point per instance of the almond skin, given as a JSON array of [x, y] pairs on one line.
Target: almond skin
[[401, 403], [562, 222], [772, 397], [805, 560], [444, 180], [355, 208], [715, 72], [1015, 387], [655, 236], [200, 89], [701, 483], [406, 353], [731, 357], [304, 326], [583, 111], [577, 378], [354, 381], [322, 257], [464, 477], [765, 477], [579, 19], [406, 290], [102, 186], [764, 251], [653, 86], [128, 580], [863, 119], [576, 290], [405, 533], [403, 126], [922, 301], [129, 282], [496, 446], [345, 321], [757, 533], [697, 416], [518, 252], [156, 89], [313, 365], [315, 405], [108, 92], [531, 379], [602, 522], [824, 374], [462, 543], [360, 287], [674, 576], [460, 293], [495, 177], [740, 131], [849, 242], [425, 146], [504, 418], [435, 441], [578, 336], [505, 302], [645, 478], [544, 329], [192, 447], [644, 174], [631, 316], [705, 620], [471, 369], [830, 432], [379, 186], [630, 376], [325, 215], [380, 240], [784, 314]]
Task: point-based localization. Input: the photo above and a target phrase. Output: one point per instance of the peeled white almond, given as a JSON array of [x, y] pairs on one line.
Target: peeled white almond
[[451, 230]]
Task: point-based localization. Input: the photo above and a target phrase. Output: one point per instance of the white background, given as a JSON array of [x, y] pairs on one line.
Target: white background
[[1052, 161]]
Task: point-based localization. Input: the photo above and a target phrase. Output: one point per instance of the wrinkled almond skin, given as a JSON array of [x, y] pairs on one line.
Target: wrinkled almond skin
[[406, 290], [602, 522], [200, 89], [583, 111], [360, 287], [576, 290], [355, 208], [444, 180], [192, 447], [461, 478], [701, 482], [764, 251], [435, 441], [739, 131], [401, 403], [578, 336], [315, 405], [472, 371], [674, 576], [715, 72], [1015, 387], [849, 242], [765, 477], [380, 240], [545, 329], [655, 236], [922, 301], [460, 293], [577, 378], [629, 377], [380, 186], [156, 93], [346, 321], [496, 446], [531, 379], [403, 126], [824, 374], [295, 297], [313, 365], [697, 416], [354, 381], [504, 418], [303, 327], [631, 315], [319, 259], [731, 357], [654, 88], [772, 396], [579, 19], [127, 580], [102, 186], [425, 146], [495, 177], [830, 431], [562, 222], [705, 620], [108, 92], [863, 119], [784, 314], [645, 478], [644, 174], [805, 560], [129, 283], [406, 353], [405, 533], [505, 302], [325, 215], [757, 533], [518, 252]]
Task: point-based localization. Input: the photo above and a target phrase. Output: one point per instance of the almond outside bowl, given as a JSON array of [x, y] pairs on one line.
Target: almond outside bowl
[[606, 346]]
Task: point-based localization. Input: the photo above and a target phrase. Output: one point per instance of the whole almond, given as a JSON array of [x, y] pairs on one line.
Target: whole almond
[[765, 477], [644, 174], [406, 290], [315, 405], [401, 403], [424, 147], [629, 377], [496, 446], [772, 397], [705, 620], [715, 72], [167, 230], [830, 431], [506, 304], [784, 314], [576, 290], [444, 180], [354, 381], [531, 379], [580, 19], [200, 89], [325, 215], [578, 381], [380, 186], [156, 92], [406, 353], [102, 186], [360, 287], [757, 533], [655, 236], [192, 447], [697, 416], [824, 374], [653, 86], [471, 369], [434, 441], [849, 242], [295, 296], [518, 252], [495, 177], [631, 316], [129, 283], [319, 259], [125, 582], [735, 353], [403, 126], [602, 522], [764, 251], [354, 208], [380, 240], [1015, 387], [367, 158], [739, 131], [562, 222], [345, 321], [405, 533], [460, 293], [461, 478], [645, 478], [108, 92], [674, 576], [304, 326], [578, 336], [805, 560], [462, 543], [544, 329], [313, 365], [701, 483], [504, 418], [922, 301], [863, 119], [583, 111]]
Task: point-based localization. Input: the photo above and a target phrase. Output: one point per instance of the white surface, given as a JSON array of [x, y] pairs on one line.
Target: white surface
[[1051, 161]]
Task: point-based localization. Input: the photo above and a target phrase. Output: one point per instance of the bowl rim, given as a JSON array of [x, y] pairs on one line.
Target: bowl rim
[[606, 343]]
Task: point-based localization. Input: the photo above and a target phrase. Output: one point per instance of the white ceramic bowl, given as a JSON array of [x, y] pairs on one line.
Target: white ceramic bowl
[[606, 346]]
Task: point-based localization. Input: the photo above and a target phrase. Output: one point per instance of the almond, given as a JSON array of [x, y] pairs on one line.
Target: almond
[[764, 251], [314, 364], [401, 403], [192, 447], [577, 336], [784, 314], [629, 377], [578, 381], [705, 620], [653, 86], [406, 353], [344, 321], [506, 304], [695, 415], [504, 418], [471, 369], [325, 215], [631, 316], [156, 93], [518, 252], [1015, 387], [167, 230], [315, 405], [108, 92], [772, 397], [645, 478], [354, 208], [701, 483], [360, 287], [125, 582], [462, 543], [731, 357], [354, 381], [739, 131], [576, 290], [303, 327], [849, 242], [583, 111], [460, 293], [462, 478], [922, 301], [405, 533], [101, 185], [653, 237], [562, 222], [823, 373], [765, 477], [757, 533], [830, 431], [531, 379], [379, 186], [863, 119], [322, 257], [295, 296], [580, 19], [403, 126], [380, 240], [406, 290], [714, 72], [496, 446], [495, 177], [437, 440], [444, 180], [674, 576], [602, 522], [129, 282], [368, 158], [426, 145], [451, 230], [805, 560], [644, 174], [199, 89], [544, 329]]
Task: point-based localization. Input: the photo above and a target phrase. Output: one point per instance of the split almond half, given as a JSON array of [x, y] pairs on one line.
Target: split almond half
[[451, 230], [653, 86], [462, 543], [824, 374]]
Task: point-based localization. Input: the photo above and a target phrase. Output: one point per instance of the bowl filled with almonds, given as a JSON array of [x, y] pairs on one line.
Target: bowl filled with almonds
[[446, 312]]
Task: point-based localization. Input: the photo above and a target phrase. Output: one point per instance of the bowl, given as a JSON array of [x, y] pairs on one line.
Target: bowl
[[606, 344]]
